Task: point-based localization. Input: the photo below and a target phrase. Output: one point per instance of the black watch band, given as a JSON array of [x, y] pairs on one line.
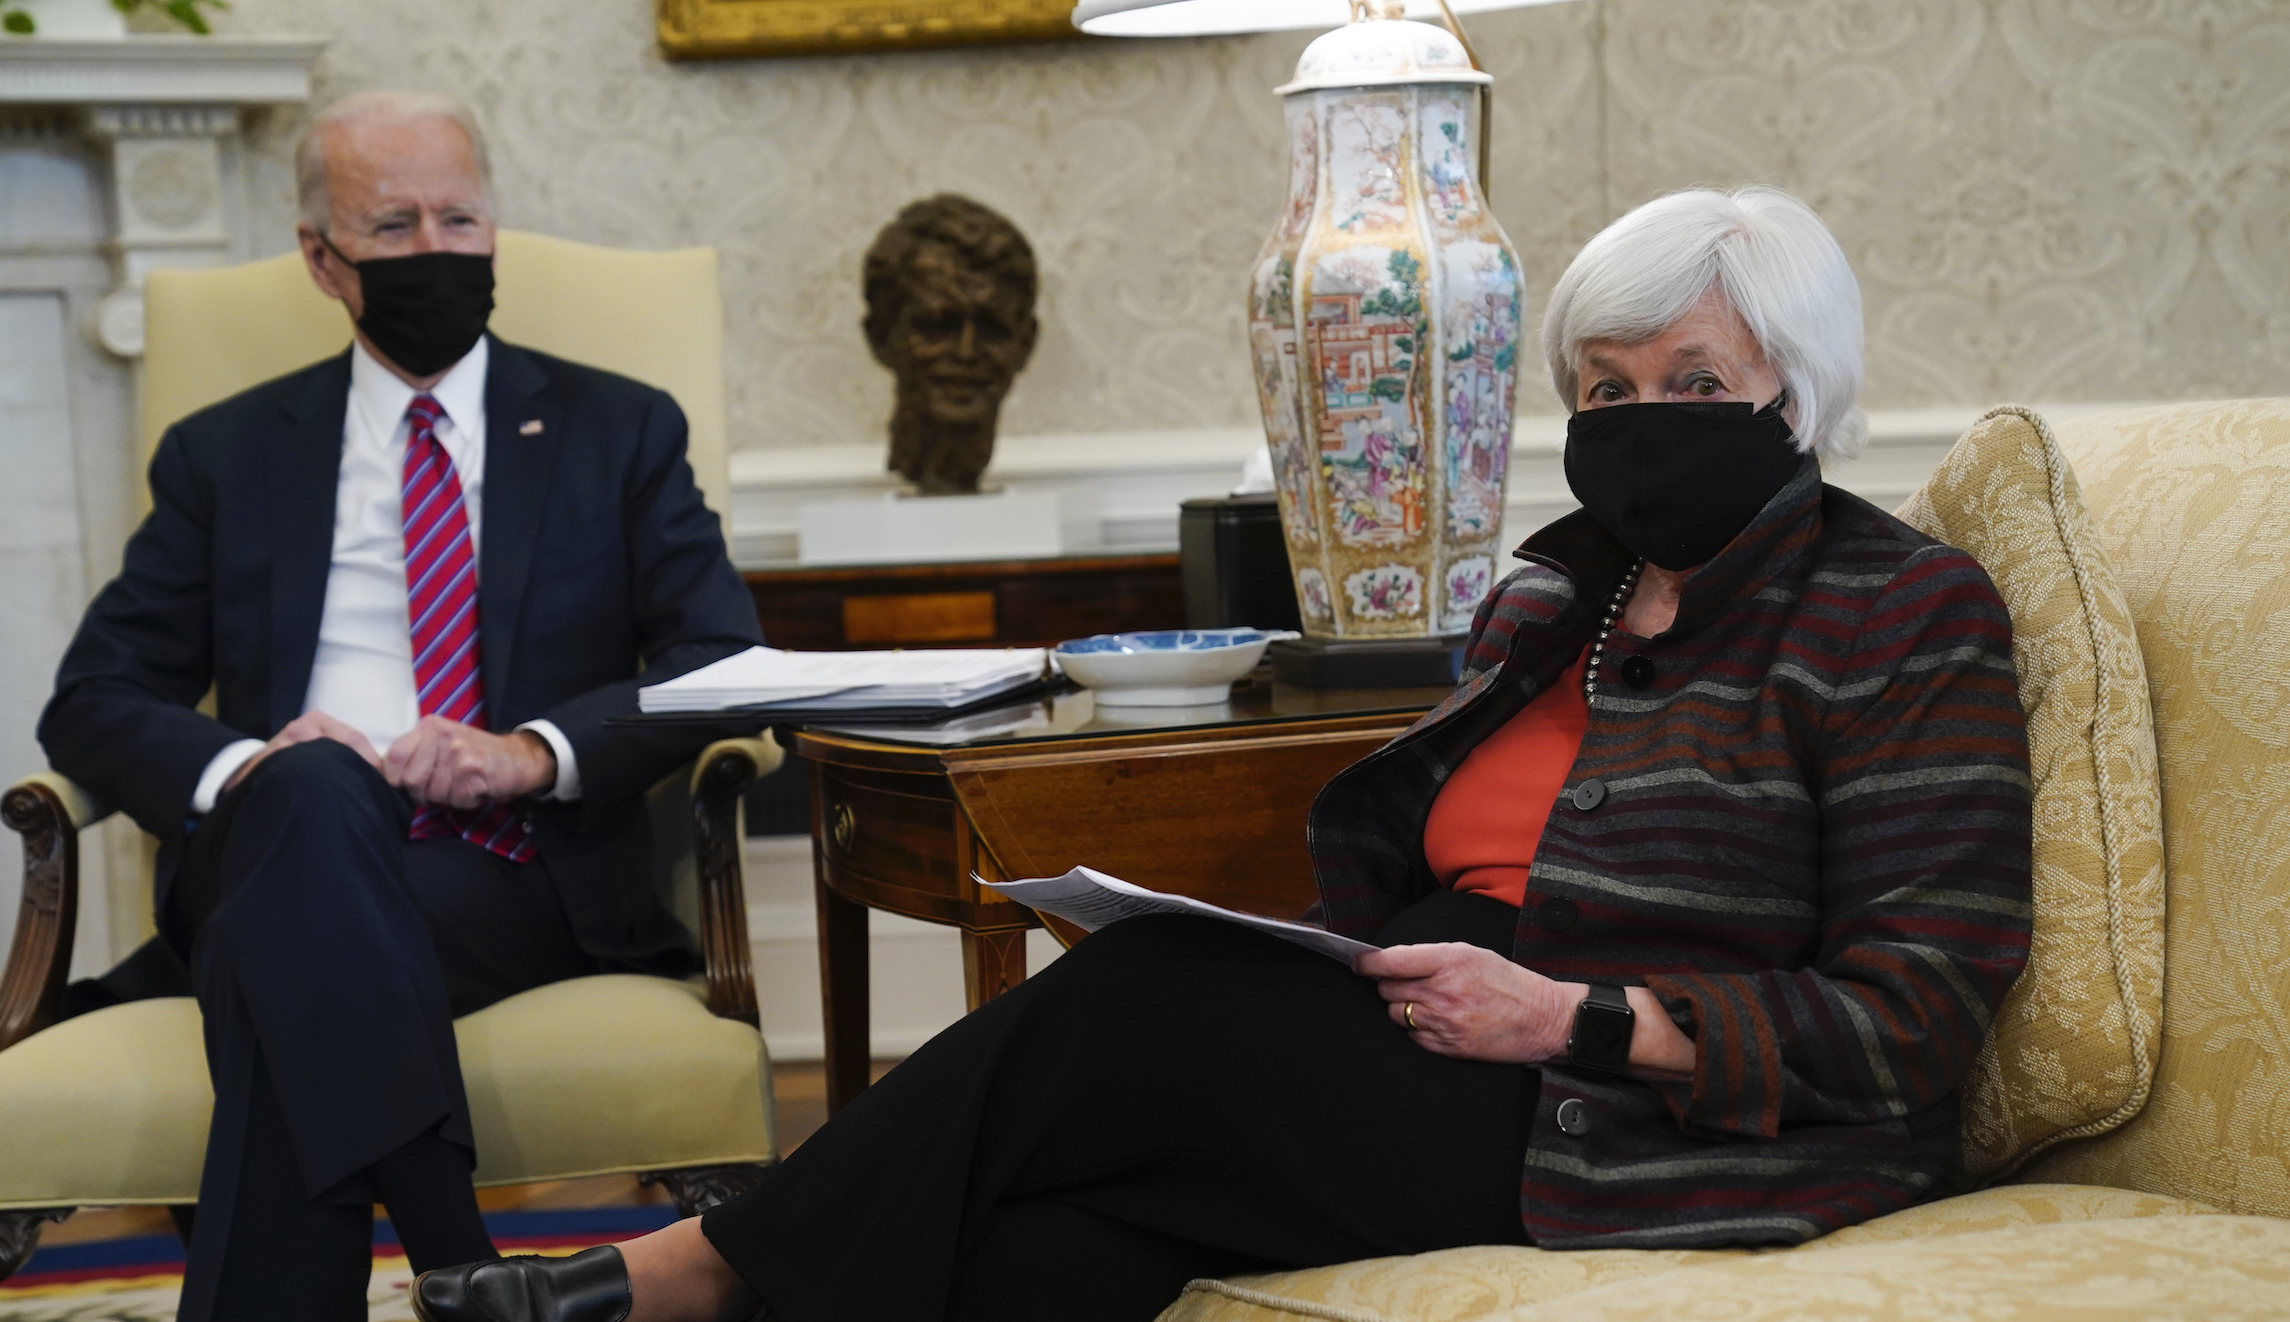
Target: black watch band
[[1603, 1024]]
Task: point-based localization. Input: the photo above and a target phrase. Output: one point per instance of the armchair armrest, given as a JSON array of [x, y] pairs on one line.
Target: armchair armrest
[[724, 770], [80, 807], [48, 811]]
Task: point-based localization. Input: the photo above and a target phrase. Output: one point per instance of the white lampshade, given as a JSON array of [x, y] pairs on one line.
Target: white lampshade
[[1204, 18]]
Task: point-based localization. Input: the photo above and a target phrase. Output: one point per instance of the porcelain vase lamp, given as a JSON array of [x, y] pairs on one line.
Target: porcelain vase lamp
[[1384, 320]]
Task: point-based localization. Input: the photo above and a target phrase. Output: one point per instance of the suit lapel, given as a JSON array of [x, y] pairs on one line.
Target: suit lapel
[[518, 457], [303, 466]]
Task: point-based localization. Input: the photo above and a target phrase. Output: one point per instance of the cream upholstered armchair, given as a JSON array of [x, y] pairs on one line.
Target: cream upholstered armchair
[[600, 1075]]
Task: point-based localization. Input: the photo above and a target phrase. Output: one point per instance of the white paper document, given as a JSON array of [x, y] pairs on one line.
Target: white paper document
[[1089, 899], [848, 681]]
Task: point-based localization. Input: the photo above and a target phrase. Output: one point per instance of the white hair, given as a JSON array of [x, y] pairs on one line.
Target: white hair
[[1767, 255], [365, 107]]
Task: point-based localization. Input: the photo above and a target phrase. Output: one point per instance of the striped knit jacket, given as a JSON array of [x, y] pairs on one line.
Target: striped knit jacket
[[1812, 844]]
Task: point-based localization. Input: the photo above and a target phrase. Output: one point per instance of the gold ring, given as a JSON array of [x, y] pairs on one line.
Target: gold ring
[[1409, 1017]]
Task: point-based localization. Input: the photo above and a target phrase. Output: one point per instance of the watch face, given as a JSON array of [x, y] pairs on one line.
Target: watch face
[[1601, 1036]]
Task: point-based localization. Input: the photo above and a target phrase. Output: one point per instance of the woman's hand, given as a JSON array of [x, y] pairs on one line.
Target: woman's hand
[[1472, 1003]]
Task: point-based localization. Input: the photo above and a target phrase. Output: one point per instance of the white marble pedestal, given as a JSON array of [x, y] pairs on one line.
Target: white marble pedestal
[[117, 156], [894, 529]]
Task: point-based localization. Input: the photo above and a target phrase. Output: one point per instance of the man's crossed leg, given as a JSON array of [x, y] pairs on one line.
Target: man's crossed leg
[[330, 956]]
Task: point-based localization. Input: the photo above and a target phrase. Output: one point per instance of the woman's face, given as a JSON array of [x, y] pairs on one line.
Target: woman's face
[[1707, 356]]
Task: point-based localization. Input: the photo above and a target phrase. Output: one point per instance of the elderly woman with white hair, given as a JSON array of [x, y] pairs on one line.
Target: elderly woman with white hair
[[1695, 900]]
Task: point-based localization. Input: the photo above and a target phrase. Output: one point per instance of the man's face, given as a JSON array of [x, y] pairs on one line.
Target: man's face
[[396, 187], [959, 341]]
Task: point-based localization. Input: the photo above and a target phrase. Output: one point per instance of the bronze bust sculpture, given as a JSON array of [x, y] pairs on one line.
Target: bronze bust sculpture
[[950, 310]]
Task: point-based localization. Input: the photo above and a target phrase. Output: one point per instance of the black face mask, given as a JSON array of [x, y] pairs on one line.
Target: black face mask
[[1676, 482], [425, 311]]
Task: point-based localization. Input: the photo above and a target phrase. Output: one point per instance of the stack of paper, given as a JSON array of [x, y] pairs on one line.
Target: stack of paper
[[763, 677]]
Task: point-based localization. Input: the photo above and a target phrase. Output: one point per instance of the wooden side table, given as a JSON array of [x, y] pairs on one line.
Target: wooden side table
[[1213, 806], [1021, 603]]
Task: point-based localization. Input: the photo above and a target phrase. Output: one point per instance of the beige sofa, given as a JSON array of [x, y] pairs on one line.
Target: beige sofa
[[2131, 1116]]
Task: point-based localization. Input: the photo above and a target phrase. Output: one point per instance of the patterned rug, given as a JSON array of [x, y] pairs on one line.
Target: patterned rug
[[138, 1279]]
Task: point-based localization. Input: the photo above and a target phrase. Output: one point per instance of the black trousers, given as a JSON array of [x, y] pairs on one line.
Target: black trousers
[[1175, 1097], [330, 956]]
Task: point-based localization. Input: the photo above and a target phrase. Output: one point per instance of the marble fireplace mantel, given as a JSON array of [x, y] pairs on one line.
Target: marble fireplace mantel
[[161, 106]]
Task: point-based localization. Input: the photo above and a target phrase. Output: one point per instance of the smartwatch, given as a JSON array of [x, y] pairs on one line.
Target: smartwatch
[[1603, 1024]]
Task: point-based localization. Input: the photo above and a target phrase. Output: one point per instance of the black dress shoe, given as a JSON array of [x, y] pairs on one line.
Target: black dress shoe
[[590, 1286]]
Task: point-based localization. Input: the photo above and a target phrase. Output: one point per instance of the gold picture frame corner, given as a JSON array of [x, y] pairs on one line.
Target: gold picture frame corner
[[732, 29]]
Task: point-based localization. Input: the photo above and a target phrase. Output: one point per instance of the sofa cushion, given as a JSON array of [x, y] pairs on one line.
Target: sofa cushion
[[2072, 1050], [1485, 1284], [2192, 503], [1453, 1285], [592, 1076], [2139, 1270], [2006, 1206]]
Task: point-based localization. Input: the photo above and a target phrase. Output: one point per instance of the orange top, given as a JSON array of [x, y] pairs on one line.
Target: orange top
[[1489, 816]]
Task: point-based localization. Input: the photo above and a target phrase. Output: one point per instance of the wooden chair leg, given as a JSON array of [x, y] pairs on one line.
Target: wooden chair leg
[[20, 1234], [695, 1189]]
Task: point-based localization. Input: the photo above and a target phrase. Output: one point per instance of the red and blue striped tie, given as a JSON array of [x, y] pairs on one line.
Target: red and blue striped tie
[[441, 600]]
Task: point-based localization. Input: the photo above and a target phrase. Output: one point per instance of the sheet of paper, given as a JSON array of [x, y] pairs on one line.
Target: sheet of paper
[[1090, 899]]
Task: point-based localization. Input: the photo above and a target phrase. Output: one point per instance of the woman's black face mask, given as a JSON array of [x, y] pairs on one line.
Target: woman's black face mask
[[1676, 482], [425, 311]]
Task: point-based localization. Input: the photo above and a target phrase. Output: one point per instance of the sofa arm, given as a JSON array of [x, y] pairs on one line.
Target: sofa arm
[[48, 811], [722, 773]]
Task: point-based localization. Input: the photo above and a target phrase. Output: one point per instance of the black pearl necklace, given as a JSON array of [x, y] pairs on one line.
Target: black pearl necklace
[[1605, 628]]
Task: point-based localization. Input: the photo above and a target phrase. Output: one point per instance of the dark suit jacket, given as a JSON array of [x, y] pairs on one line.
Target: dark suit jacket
[[597, 561]]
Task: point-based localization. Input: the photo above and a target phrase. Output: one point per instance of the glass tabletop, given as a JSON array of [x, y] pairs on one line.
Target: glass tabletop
[[1078, 713]]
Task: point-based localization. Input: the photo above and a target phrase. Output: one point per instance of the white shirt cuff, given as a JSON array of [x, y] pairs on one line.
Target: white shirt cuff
[[225, 766], [568, 771]]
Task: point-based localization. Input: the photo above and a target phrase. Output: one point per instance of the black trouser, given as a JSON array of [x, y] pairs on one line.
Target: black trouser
[[1175, 1097], [330, 956]]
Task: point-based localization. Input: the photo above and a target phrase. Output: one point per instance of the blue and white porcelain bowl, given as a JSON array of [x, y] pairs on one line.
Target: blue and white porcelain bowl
[[1166, 667]]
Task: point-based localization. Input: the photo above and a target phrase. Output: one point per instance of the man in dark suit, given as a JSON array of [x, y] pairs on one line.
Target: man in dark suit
[[418, 578]]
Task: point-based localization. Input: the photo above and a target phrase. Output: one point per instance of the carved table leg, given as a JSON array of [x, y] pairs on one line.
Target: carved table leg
[[20, 1234], [992, 963], [695, 1189], [843, 994]]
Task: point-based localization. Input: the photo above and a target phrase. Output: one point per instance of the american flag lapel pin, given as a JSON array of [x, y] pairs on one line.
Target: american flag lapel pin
[[532, 428]]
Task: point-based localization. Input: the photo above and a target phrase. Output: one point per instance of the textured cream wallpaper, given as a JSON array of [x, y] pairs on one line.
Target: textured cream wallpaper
[[2046, 199]]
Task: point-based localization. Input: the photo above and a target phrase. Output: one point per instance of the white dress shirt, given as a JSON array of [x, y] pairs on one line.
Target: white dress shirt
[[362, 675]]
